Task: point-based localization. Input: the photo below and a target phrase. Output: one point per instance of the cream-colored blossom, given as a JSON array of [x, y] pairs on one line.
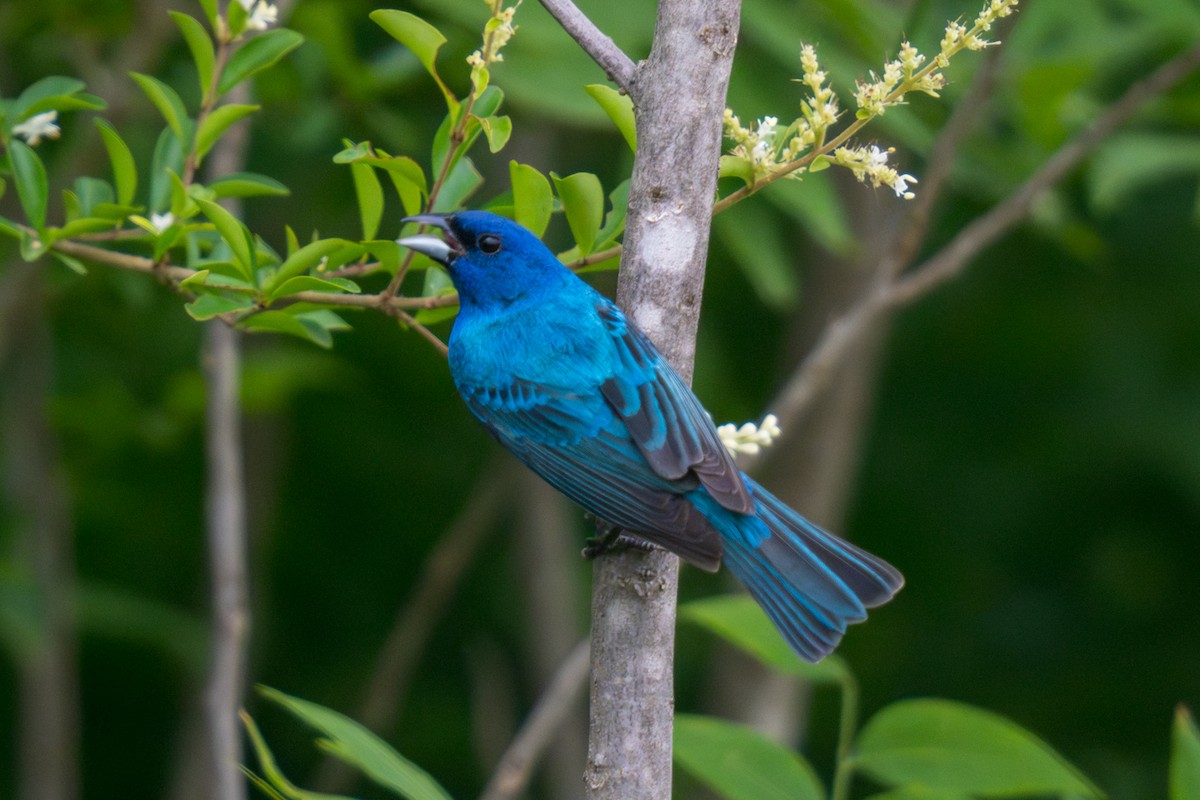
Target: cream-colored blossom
[[749, 439], [38, 127]]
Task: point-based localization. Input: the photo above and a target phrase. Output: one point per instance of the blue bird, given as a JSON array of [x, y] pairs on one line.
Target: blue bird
[[562, 379]]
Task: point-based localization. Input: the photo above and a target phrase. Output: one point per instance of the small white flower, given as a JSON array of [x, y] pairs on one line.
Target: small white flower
[[877, 158], [160, 222], [38, 127], [901, 186], [749, 439], [262, 14]]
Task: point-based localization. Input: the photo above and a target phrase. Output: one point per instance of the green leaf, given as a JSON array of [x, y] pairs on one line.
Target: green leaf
[[369, 192], [816, 205], [757, 242], [274, 777], [247, 184], [388, 253], [167, 161], [1184, 782], [619, 108], [736, 167], [409, 180], [70, 262], [497, 130], [301, 261], [168, 103], [309, 283], [739, 620], [207, 306], [1129, 162], [210, 12], [422, 39], [533, 199], [9, 227], [216, 123], [124, 169], [234, 233], [289, 322], [259, 53], [583, 203], [741, 764], [3, 186], [201, 45], [461, 183], [614, 221], [29, 174], [954, 747], [51, 93], [354, 744]]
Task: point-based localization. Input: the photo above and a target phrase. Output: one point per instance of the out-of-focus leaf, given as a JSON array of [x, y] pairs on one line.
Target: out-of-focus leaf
[[955, 747], [56, 93], [741, 764], [275, 779], [1184, 781], [201, 45], [168, 103], [261, 52], [124, 170], [207, 306], [304, 259], [619, 108], [461, 183], [583, 204], [167, 161], [310, 283], [736, 167], [533, 199], [739, 620], [1128, 162], [369, 192], [216, 123], [357, 746], [29, 174], [815, 204], [422, 39], [247, 184]]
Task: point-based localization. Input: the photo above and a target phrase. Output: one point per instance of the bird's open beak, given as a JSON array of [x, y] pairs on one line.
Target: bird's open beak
[[440, 250]]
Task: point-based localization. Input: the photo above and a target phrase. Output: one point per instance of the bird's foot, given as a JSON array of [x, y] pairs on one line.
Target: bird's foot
[[613, 539]]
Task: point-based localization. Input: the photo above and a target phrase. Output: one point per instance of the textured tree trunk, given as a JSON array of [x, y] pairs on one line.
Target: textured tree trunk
[[679, 98]]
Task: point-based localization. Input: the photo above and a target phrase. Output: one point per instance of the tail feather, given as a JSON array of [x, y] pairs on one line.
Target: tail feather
[[811, 583]]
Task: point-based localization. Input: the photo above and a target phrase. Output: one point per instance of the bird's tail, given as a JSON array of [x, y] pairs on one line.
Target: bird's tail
[[811, 583]]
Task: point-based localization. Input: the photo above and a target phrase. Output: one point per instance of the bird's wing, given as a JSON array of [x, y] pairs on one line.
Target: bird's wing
[[578, 444], [671, 429]]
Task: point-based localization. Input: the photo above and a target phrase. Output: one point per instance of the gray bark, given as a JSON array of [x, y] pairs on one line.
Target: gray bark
[[679, 98]]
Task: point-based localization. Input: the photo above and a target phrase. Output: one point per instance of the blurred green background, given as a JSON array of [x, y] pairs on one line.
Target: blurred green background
[[1025, 446]]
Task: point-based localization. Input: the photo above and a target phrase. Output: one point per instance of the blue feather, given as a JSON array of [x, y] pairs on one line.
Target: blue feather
[[561, 378]]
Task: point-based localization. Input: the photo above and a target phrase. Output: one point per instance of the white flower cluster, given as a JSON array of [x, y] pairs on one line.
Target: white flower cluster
[[959, 36], [875, 96], [869, 165], [38, 127], [262, 14], [496, 33], [749, 439]]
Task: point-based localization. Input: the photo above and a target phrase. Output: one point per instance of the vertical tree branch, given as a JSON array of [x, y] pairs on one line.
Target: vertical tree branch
[[49, 683], [679, 98], [226, 523]]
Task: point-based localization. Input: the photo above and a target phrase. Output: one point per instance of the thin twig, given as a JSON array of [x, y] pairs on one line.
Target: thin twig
[[603, 50], [511, 775], [948, 262]]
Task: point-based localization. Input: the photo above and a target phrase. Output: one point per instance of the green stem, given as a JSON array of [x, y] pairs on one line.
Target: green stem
[[847, 728]]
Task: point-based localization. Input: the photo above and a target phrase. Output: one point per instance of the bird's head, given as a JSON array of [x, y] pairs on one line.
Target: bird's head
[[492, 260]]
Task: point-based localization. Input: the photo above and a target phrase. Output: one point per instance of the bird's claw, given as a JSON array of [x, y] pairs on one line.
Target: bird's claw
[[613, 539]]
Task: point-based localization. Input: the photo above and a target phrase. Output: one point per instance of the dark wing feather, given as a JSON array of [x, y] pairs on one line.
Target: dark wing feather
[[664, 418], [578, 445]]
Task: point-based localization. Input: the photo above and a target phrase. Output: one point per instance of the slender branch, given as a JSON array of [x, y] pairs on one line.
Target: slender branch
[[512, 773], [948, 262], [603, 50]]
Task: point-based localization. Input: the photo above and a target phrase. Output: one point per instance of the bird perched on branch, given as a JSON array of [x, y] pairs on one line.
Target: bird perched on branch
[[561, 378]]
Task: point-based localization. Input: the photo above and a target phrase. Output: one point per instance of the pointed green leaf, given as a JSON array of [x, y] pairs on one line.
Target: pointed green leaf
[[533, 199], [955, 747], [216, 123], [259, 53], [304, 259], [29, 174], [9, 227], [210, 12], [51, 93], [619, 108], [357, 746], [207, 306], [274, 777], [168, 103], [422, 39], [70, 262], [462, 182], [247, 184], [409, 180], [583, 203], [1185, 758], [736, 167], [739, 620], [741, 764], [203, 54], [234, 233], [309, 283], [369, 192], [614, 220], [167, 161], [124, 170]]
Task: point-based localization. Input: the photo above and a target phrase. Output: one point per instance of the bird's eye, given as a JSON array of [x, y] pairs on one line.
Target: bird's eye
[[489, 243]]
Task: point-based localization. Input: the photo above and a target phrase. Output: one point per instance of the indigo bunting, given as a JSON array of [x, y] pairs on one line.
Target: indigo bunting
[[562, 379]]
